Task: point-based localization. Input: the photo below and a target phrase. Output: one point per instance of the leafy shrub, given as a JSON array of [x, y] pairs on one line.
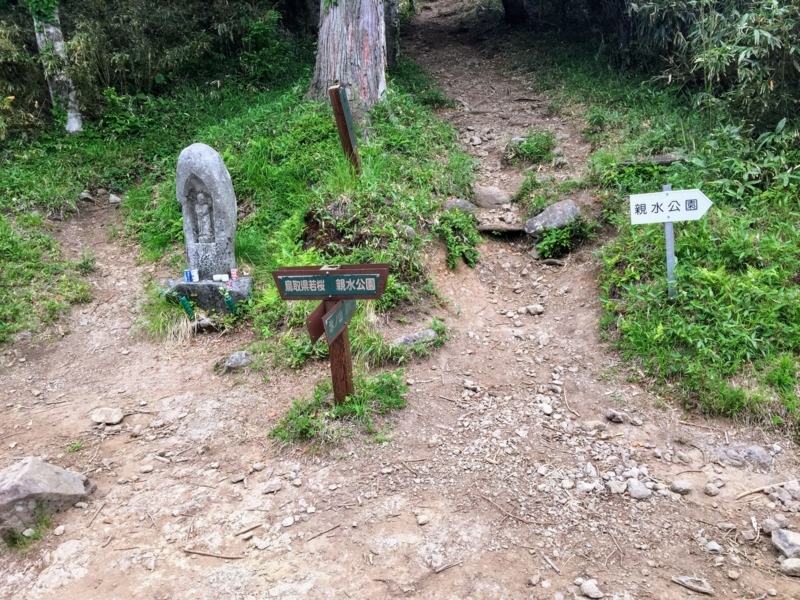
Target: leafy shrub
[[458, 230], [536, 147], [558, 242]]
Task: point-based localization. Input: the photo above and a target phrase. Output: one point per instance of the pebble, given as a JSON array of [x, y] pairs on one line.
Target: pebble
[[788, 542], [791, 567], [714, 548], [423, 520], [535, 309], [546, 409], [681, 486], [260, 544], [272, 486], [590, 590], [772, 592], [259, 466], [59, 531], [297, 482], [238, 478], [146, 469], [248, 535], [711, 489], [81, 505], [617, 487], [533, 581], [214, 465], [107, 415], [733, 574], [638, 490], [615, 416], [288, 522], [568, 484], [28, 532]]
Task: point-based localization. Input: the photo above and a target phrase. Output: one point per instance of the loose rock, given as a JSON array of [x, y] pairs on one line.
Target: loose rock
[[711, 490], [235, 362], [423, 520], [637, 490], [287, 522], [272, 486], [616, 416], [791, 567], [59, 531], [786, 541], [490, 197], [681, 486], [107, 415], [590, 590], [556, 216], [426, 335], [459, 204]]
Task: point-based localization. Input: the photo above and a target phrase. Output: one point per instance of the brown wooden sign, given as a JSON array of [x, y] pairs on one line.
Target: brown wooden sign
[[337, 286]]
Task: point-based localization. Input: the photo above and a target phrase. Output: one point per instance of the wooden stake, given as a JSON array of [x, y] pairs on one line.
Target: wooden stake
[[344, 123], [341, 364]]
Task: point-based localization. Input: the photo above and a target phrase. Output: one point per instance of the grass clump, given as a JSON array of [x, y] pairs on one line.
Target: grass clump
[[458, 230], [536, 147], [17, 541], [75, 447], [555, 243], [320, 420]]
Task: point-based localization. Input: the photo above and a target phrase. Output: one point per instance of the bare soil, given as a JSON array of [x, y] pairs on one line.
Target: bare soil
[[510, 492]]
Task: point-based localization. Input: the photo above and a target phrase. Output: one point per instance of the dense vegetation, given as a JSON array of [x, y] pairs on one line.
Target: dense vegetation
[[712, 81]]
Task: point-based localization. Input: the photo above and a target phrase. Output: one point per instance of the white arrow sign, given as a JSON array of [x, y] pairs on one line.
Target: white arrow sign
[[668, 207]]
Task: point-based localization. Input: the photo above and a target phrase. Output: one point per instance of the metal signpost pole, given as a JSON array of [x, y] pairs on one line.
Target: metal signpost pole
[[669, 231], [668, 207]]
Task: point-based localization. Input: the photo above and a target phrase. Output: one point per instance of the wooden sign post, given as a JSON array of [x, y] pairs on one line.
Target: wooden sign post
[[338, 287], [344, 123]]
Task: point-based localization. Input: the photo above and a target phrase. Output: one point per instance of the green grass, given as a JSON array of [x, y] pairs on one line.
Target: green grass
[[536, 147], [729, 343], [40, 528], [458, 231], [555, 243], [321, 421], [287, 166], [75, 447]]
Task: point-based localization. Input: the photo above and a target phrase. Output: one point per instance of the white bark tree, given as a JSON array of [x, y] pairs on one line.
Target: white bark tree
[[50, 38], [351, 51]]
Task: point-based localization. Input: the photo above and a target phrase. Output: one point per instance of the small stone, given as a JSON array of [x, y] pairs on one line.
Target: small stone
[[568, 484], [238, 478], [235, 362], [107, 415], [747, 535], [617, 487], [59, 531], [546, 409], [769, 525], [772, 592], [786, 541], [81, 505], [711, 490], [287, 522], [248, 535], [272, 486], [311, 510], [28, 532], [776, 449], [533, 581], [590, 590], [616, 416], [535, 309], [490, 197], [146, 469], [426, 335], [733, 574], [259, 466], [260, 544], [637, 490], [714, 548], [214, 465], [297, 482], [114, 199], [791, 567], [681, 486], [544, 340], [423, 520]]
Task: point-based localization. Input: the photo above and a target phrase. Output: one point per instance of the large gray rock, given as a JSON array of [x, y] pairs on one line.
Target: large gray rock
[[205, 191], [490, 197], [208, 295], [555, 216], [459, 204], [791, 567], [426, 335], [638, 490], [32, 484], [787, 542], [108, 415]]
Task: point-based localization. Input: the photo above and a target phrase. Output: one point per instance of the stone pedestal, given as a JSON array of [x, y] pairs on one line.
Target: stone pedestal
[[209, 295]]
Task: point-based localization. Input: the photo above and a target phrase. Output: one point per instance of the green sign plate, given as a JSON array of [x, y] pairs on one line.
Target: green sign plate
[[346, 282], [338, 317], [325, 286]]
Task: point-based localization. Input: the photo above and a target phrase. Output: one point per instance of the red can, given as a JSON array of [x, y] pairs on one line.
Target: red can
[[234, 274]]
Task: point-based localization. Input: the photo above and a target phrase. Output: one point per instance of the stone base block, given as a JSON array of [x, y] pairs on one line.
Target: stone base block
[[207, 295]]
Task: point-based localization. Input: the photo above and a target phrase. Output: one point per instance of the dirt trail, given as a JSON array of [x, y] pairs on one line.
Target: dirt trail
[[504, 448]]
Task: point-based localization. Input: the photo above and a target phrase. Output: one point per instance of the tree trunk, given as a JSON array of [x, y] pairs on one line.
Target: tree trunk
[[391, 10], [50, 38], [516, 13], [351, 51]]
